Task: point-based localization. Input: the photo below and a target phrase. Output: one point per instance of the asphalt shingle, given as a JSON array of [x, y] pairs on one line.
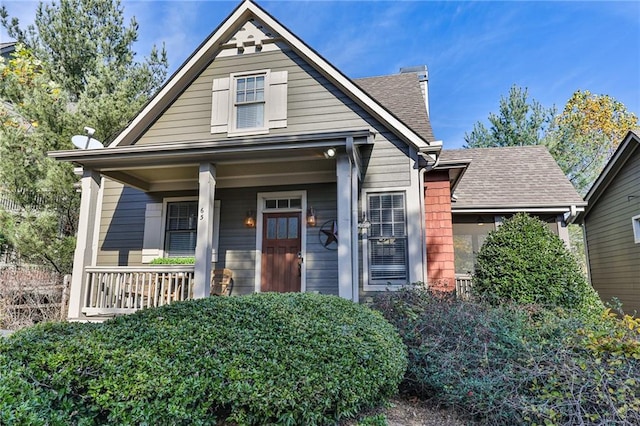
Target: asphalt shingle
[[518, 176], [401, 95]]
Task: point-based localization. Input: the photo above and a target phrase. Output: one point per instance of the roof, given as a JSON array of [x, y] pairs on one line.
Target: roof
[[518, 178], [201, 58], [627, 147], [402, 96]]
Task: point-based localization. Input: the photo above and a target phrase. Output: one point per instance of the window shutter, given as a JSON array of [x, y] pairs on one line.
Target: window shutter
[[220, 105], [152, 232], [277, 103]]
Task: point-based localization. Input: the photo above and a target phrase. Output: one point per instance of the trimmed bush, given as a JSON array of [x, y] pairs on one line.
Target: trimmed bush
[[524, 262], [515, 364], [259, 359]]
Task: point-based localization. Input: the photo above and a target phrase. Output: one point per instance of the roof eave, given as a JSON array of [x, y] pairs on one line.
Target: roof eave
[[207, 52]]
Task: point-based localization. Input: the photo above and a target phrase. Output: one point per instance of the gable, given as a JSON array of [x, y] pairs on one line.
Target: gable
[[264, 30], [313, 104]]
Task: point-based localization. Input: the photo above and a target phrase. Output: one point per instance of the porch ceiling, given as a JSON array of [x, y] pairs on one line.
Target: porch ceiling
[[228, 174], [270, 160]]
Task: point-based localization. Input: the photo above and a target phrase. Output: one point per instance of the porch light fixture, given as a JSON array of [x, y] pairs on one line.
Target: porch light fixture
[[311, 217], [364, 223], [330, 153], [250, 219]]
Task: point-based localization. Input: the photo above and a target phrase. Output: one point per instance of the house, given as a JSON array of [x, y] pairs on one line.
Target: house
[[260, 158], [491, 184], [612, 227], [6, 49]]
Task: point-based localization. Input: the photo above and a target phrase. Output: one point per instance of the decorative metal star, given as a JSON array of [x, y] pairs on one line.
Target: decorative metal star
[[331, 233]]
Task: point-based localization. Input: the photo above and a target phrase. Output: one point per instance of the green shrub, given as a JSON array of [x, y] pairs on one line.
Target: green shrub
[[173, 261], [460, 352], [516, 364], [259, 359], [522, 261]]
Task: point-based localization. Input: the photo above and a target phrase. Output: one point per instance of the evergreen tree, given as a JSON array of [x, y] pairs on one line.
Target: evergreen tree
[[77, 68], [519, 122]]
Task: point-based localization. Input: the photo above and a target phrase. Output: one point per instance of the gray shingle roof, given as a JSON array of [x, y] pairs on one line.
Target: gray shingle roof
[[401, 95], [511, 177]]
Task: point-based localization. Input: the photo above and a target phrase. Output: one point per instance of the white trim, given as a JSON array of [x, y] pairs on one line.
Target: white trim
[[216, 224], [260, 199], [365, 239], [415, 223], [635, 221], [83, 255], [562, 209], [233, 116]]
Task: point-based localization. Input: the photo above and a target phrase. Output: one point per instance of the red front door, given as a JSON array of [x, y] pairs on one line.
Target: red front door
[[281, 244]]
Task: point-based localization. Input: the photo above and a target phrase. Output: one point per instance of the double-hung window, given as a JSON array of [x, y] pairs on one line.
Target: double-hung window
[[249, 102], [387, 239], [181, 229]]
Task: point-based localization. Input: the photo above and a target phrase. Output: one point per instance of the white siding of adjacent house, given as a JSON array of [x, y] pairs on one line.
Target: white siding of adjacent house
[[614, 257]]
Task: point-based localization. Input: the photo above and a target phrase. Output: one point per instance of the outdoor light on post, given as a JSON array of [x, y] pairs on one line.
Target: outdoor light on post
[[250, 219]]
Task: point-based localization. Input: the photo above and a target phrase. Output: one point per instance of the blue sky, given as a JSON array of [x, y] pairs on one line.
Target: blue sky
[[475, 51]]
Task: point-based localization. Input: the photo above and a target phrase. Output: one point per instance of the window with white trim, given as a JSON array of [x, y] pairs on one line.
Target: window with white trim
[[181, 229], [249, 103], [387, 238], [170, 229], [636, 228]]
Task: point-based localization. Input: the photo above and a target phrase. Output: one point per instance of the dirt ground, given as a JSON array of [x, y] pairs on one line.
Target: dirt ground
[[403, 411]]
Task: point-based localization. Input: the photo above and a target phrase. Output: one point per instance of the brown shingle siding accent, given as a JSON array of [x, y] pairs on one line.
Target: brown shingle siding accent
[[439, 232]]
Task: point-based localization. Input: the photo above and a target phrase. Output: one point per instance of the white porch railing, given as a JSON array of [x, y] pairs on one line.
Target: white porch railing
[[463, 286], [120, 290]]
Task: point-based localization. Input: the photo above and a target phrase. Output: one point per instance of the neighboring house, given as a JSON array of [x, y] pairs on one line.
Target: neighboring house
[[260, 158], [491, 184], [6, 49], [612, 227]]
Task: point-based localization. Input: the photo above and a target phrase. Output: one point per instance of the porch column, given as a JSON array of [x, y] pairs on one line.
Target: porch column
[[204, 242], [90, 184], [344, 195]]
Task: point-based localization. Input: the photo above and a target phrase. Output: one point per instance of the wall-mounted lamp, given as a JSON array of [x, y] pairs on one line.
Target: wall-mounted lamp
[[311, 217], [250, 219], [364, 223], [329, 153], [480, 221]]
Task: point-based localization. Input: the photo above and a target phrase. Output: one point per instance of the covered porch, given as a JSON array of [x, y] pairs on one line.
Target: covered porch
[[275, 180]]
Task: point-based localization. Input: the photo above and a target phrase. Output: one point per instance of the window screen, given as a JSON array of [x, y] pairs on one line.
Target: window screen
[[387, 240], [181, 229]]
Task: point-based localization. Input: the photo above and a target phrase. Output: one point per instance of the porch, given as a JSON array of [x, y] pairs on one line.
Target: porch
[[194, 200], [125, 289]]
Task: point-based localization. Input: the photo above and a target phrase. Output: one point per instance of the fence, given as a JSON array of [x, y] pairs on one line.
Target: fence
[[29, 295], [463, 286]]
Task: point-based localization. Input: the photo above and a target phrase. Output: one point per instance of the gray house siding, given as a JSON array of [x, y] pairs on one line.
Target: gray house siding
[[313, 104], [122, 232], [121, 225], [614, 258]]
